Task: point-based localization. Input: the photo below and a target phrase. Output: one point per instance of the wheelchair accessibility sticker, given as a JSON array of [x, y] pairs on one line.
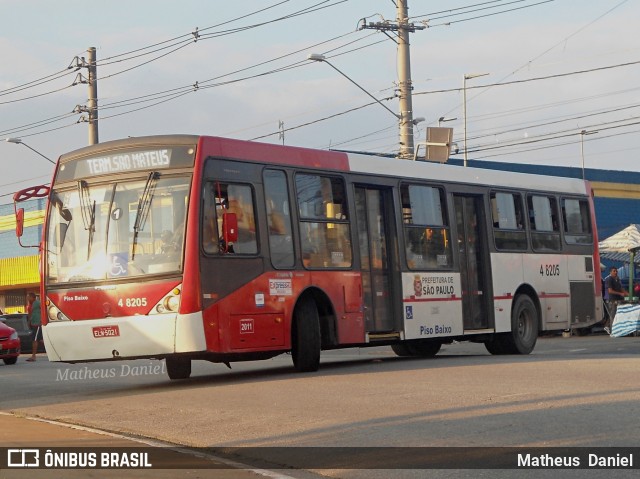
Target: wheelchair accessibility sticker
[[118, 264], [408, 312]]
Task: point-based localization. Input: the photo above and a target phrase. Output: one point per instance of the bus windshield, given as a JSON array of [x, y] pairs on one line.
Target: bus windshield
[[108, 231]]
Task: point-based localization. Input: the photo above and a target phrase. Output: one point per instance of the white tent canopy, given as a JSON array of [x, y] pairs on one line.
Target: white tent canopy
[[618, 246]]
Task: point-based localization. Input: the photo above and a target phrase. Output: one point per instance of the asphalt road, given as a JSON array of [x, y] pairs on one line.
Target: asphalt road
[[578, 392]]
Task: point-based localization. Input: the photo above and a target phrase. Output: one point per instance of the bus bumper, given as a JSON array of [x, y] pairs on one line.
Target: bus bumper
[[124, 338]]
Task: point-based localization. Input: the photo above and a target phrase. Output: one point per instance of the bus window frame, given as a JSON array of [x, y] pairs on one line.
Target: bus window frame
[[525, 227], [565, 231], [300, 220], [292, 220], [445, 226], [217, 229], [555, 232]]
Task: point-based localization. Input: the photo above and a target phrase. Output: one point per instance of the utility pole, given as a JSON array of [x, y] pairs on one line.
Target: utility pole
[[92, 103], [405, 87]]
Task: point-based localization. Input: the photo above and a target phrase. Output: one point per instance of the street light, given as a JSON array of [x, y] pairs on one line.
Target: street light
[[467, 76], [405, 118], [442, 119], [18, 141], [317, 57], [582, 135]]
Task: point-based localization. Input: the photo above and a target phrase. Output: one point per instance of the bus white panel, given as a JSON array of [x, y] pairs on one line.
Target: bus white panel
[[578, 270], [548, 273], [138, 336], [190, 333], [432, 305], [481, 176], [508, 274], [549, 276]]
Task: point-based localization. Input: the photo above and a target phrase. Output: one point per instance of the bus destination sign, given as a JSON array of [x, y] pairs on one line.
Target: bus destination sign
[[122, 161]]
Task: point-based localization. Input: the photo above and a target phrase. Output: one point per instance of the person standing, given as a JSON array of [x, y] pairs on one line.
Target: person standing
[[614, 293], [35, 322]]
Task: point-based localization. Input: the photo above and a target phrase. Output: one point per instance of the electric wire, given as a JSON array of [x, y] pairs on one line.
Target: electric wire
[[449, 23], [470, 9], [105, 61], [178, 46]]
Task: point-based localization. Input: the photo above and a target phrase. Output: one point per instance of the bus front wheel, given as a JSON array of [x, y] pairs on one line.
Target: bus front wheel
[[305, 336], [178, 368]]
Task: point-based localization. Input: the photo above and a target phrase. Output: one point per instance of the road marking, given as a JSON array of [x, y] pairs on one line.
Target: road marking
[[577, 350], [157, 443]]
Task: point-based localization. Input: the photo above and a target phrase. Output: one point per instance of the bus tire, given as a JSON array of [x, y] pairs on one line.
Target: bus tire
[[9, 361], [496, 345], [418, 349], [524, 325], [178, 368], [305, 337], [524, 330], [401, 349], [425, 349]]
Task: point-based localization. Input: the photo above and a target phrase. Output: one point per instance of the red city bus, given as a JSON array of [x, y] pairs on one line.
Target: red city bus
[[191, 247]]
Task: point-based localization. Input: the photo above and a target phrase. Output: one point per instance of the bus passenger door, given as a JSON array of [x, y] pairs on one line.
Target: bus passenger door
[[473, 262], [373, 219]]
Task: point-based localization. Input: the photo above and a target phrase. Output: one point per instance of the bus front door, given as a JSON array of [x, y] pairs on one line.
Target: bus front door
[[375, 256], [473, 258]]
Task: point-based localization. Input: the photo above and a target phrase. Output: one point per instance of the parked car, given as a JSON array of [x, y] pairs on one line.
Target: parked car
[[9, 344], [20, 322]]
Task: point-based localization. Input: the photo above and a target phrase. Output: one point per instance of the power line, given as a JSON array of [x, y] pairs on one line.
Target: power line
[[555, 145], [426, 23], [175, 93], [335, 115], [526, 80], [178, 46], [542, 138], [555, 122], [469, 9]]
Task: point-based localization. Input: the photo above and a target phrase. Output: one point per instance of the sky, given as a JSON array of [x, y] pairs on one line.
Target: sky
[[554, 69]]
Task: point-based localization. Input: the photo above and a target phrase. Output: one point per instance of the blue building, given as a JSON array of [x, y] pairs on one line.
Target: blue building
[[616, 193]]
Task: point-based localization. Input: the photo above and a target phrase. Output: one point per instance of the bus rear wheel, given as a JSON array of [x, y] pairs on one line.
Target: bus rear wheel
[[178, 368], [524, 329], [524, 325], [305, 336]]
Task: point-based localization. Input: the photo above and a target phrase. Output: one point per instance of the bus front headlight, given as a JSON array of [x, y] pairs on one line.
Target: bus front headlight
[[170, 303], [54, 314]]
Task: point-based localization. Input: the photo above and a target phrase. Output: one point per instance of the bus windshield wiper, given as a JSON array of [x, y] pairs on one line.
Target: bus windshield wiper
[[144, 206], [88, 210]]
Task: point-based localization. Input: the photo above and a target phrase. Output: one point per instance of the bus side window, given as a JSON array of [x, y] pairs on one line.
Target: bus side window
[[221, 198], [241, 203], [426, 233], [507, 214], [576, 221], [209, 230], [278, 219], [324, 221], [543, 222]]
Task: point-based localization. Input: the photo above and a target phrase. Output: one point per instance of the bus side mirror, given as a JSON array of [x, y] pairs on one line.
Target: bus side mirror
[[229, 228], [19, 222]]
